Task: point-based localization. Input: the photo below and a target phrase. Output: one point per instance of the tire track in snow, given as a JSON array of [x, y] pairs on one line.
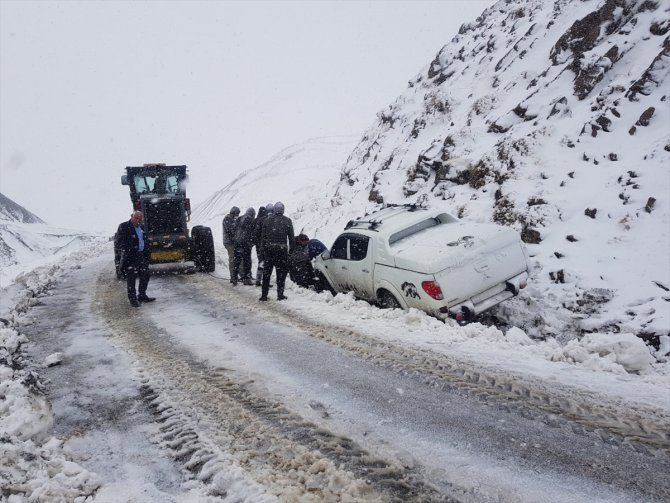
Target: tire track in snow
[[215, 426], [641, 428]]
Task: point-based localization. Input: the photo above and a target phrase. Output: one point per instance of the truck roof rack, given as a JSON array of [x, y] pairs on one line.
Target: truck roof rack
[[373, 223]]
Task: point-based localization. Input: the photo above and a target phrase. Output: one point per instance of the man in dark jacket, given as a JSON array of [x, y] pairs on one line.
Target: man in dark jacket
[[301, 271], [230, 222], [134, 257], [263, 213], [277, 240], [244, 241]]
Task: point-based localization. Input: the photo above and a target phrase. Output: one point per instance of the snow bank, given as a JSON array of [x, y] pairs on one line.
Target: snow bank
[[614, 352], [34, 466]]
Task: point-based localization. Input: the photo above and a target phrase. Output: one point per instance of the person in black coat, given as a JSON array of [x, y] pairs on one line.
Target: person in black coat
[[263, 213], [135, 257], [277, 240], [244, 241], [301, 271]]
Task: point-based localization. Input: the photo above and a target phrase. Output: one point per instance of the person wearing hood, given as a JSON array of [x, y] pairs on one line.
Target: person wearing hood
[[263, 212], [277, 240], [230, 222], [244, 241]]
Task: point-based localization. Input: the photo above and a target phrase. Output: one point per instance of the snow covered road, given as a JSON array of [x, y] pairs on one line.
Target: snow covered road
[[207, 393]]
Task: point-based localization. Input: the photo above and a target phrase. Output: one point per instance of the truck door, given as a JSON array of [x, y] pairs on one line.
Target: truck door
[[337, 265], [359, 267]]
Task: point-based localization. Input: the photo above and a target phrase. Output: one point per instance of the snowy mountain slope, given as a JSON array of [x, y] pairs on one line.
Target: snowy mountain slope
[[13, 212], [302, 176], [552, 118], [27, 242]]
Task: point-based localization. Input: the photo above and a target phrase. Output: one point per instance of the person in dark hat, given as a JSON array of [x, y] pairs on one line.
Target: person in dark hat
[[230, 222], [277, 240], [244, 242], [263, 213]]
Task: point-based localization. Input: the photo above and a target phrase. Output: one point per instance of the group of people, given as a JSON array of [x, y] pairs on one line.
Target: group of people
[[271, 232]]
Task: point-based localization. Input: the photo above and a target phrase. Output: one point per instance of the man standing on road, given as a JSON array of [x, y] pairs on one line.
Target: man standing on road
[[277, 240], [229, 228], [263, 213], [135, 257], [244, 241]]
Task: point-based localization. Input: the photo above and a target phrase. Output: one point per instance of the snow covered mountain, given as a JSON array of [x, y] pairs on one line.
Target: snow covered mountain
[[26, 241], [550, 117], [13, 212], [302, 176]]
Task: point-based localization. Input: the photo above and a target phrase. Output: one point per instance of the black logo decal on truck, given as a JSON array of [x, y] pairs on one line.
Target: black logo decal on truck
[[410, 290]]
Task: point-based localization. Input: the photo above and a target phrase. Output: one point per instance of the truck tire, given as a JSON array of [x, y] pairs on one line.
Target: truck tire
[[386, 300], [203, 248], [323, 284]]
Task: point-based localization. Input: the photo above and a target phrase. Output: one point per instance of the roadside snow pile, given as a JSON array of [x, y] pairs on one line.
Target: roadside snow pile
[[621, 354], [24, 412], [614, 352], [33, 465]]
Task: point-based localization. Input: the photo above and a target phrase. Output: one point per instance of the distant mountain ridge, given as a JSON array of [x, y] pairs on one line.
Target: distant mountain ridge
[[26, 241], [14, 212]]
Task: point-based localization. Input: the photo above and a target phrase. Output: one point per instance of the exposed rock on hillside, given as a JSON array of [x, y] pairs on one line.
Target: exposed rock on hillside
[[530, 115]]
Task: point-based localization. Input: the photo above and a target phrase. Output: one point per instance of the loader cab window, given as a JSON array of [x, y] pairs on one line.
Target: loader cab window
[[157, 184]]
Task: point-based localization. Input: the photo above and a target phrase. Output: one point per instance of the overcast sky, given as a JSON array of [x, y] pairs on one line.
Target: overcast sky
[[89, 87]]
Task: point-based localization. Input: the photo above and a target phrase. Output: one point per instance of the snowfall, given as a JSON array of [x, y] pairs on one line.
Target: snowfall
[[622, 368], [37, 466]]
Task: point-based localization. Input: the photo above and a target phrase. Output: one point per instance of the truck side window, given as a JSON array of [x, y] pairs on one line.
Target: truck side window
[[339, 249], [358, 247]]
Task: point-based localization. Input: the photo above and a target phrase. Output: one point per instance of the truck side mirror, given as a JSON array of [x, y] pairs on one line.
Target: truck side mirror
[[325, 255], [124, 180]]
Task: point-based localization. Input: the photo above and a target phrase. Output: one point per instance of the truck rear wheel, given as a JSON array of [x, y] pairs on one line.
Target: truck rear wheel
[[387, 300], [203, 248]]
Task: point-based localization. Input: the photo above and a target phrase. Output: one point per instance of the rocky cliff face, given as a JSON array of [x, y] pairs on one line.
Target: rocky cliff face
[[553, 118]]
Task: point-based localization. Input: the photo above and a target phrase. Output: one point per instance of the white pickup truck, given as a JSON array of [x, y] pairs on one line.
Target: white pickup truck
[[408, 256]]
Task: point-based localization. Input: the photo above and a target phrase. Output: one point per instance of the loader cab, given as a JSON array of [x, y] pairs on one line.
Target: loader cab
[[155, 179]]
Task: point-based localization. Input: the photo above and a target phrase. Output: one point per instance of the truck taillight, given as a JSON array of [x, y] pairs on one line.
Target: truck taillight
[[433, 289], [137, 205], [187, 204]]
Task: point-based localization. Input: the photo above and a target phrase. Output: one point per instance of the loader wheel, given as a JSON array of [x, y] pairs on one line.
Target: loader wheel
[[203, 244]]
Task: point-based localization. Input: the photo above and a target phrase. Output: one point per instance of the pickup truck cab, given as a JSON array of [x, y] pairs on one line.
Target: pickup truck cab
[[409, 256]]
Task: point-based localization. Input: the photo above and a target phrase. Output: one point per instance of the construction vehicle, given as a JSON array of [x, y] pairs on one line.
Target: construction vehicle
[[159, 191]]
